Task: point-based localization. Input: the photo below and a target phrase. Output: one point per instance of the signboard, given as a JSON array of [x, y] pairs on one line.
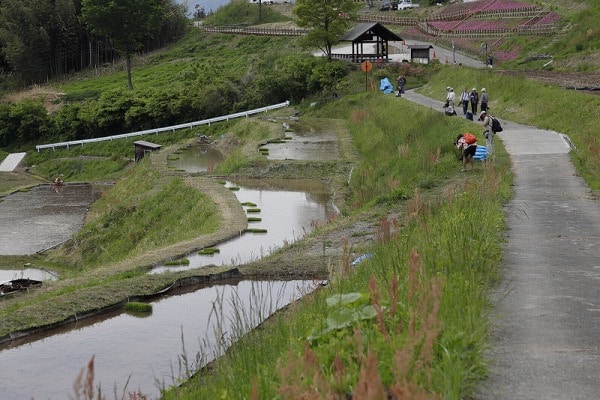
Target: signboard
[[366, 66]]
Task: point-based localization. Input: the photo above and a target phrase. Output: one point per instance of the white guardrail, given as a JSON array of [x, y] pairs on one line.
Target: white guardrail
[[165, 129]]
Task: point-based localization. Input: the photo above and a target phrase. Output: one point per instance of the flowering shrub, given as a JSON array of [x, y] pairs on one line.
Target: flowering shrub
[[504, 55]]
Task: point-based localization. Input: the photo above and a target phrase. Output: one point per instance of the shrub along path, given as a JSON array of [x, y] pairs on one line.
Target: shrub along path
[[545, 343]]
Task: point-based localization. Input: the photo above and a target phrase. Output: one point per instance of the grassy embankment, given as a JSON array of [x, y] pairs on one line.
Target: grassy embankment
[[543, 105]]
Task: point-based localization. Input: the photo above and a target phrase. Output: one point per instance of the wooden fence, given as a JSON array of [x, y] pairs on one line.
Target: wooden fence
[[250, 30]]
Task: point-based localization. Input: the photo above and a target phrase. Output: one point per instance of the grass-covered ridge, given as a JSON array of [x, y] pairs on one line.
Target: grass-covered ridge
[[240, 12], [137, 216]]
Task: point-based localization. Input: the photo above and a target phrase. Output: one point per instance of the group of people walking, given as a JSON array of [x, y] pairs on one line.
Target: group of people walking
[[466, 99], [472, 99]]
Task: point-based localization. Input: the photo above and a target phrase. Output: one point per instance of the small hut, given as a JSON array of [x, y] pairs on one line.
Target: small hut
[[142, 147], [375, 35], [420, 53]]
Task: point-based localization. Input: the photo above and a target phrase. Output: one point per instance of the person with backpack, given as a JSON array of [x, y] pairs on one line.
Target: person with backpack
[[488, 132], [467, 144]]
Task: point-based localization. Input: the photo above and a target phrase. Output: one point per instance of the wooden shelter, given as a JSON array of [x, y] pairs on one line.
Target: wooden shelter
[[142, 147], [420, 53], [369, 42]]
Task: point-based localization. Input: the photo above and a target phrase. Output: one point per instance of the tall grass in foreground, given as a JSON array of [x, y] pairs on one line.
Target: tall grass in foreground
[[410, 321]]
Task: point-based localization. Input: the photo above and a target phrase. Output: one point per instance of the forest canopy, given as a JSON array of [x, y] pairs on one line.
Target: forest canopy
[[43, 39]]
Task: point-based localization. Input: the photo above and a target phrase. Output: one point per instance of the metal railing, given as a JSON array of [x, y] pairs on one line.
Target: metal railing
[[172, 128]]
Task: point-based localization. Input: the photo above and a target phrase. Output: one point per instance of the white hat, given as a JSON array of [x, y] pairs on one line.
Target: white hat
[[483, 89], [448, 88], [474, 89], [483, 112]]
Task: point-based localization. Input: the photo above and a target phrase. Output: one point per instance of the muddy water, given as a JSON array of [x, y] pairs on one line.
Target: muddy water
[[146, 349], [198, 158], [305, 146], [288, 211], [43, 217]]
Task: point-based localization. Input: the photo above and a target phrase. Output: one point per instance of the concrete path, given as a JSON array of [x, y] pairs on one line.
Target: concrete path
[[11, 162], [546, 335]]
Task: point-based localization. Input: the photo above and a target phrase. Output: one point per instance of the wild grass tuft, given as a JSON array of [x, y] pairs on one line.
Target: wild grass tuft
[[138, 307]]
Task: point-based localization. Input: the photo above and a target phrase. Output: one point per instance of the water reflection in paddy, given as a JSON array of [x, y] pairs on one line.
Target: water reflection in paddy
[[145, 350], [305, 146], [288, 211], [197, 158]]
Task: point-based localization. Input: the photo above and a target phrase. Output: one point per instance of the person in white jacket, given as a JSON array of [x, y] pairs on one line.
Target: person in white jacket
[[451, 97]]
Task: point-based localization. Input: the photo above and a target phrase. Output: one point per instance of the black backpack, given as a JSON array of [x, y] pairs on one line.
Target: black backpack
[[496, 127]]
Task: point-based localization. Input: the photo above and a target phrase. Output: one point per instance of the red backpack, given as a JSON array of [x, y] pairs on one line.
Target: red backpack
[[469, 138]]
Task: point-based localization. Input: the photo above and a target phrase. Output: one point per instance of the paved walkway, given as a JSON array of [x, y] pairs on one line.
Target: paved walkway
[[546, 336], [11, 162]]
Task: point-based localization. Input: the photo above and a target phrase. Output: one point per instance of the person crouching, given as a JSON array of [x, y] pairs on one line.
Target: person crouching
[[467, 144]]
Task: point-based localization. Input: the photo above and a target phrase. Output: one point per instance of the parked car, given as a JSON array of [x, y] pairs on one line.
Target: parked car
[[386, 6], [406, 4]]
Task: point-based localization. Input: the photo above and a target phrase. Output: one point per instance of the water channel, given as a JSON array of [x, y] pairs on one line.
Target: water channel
[[147, 352]]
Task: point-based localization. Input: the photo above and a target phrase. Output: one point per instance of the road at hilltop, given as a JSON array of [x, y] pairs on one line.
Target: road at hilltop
[[545, 342]]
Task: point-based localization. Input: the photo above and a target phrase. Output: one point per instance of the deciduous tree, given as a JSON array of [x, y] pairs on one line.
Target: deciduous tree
[[327, 20], [126, 23]]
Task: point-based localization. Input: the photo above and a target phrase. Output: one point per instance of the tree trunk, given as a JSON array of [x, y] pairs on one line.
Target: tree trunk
[[128, 64]]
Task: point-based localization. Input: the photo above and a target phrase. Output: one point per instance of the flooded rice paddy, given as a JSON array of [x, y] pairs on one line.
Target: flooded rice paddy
[[287, 212], [26, 273], [43, 217], [145, 351], [197, 158], [185, 330], [305, 146]]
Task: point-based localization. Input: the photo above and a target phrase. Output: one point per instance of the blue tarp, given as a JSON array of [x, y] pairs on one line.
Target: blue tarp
[[480, 153], [386, 86], [361, 259]]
